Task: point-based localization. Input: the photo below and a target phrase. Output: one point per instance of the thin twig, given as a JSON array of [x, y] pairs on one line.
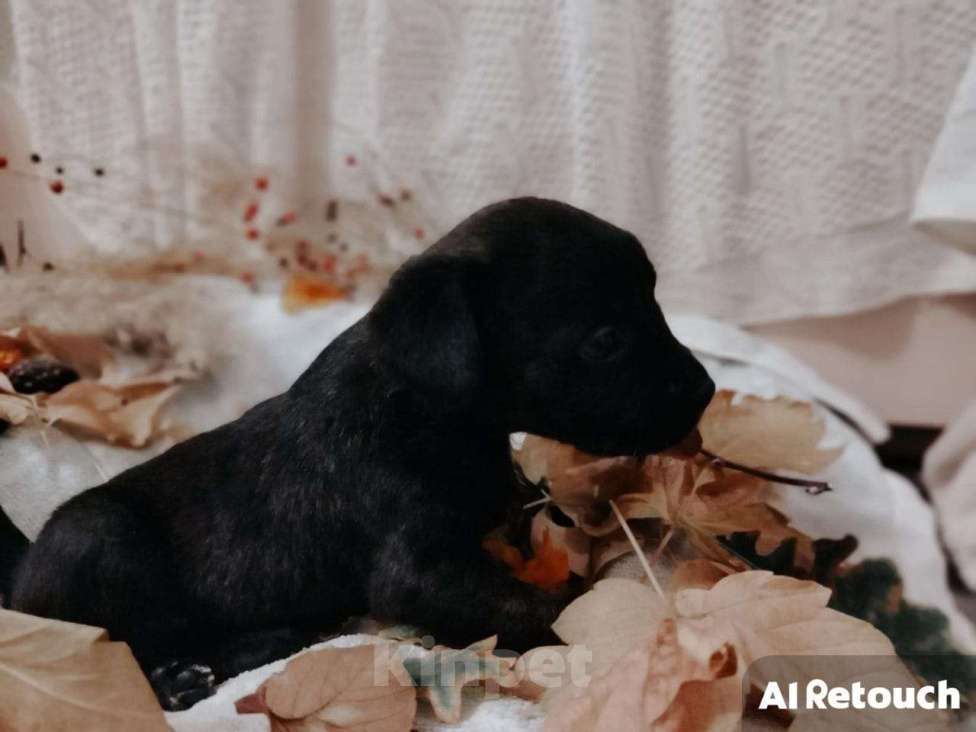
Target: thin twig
[[663, 545], [546, 498], [813, 487], [638, 549]]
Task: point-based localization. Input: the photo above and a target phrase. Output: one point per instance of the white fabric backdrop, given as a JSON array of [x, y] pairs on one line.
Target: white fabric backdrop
[[765, 152], [946, 205]]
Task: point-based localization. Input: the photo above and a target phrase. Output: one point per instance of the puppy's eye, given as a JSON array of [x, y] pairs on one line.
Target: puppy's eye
[[606, 344]]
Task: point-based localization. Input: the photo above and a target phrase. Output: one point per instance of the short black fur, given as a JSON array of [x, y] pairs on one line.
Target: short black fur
[[368, 486]]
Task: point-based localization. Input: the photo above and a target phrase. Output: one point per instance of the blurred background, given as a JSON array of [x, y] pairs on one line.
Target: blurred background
[[802, 174]]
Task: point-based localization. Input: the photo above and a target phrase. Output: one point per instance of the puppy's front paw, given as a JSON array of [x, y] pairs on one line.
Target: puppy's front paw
[[181, 684]]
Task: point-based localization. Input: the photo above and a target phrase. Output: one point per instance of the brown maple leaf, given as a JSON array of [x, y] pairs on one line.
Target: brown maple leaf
[[777, 434], [56, 675], [357, 689], [756, 613]]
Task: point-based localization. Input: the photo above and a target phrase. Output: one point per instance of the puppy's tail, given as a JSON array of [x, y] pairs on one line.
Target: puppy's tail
[[13, 547]]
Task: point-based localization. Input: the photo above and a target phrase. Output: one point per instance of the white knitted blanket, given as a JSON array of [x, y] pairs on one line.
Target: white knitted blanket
[[765, 152]]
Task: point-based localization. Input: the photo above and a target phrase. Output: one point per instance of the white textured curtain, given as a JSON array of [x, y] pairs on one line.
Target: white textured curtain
[[766, 152]]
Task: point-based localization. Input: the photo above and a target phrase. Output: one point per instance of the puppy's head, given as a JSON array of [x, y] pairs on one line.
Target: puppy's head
[[544, 316]]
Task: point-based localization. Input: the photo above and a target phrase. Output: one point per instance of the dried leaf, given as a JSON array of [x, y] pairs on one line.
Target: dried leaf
[[542, 668], [127, 415], [549, 566], [87, 354], [549, 538], [698, 574], [707, 502], [15, 409], [643, 684], [12, 350], [611, 619], [575, 478], [304, 291], [56, 675], [441, 675], [556, 551], [777, 433], [760, 614], [610, 547], [359, 689]]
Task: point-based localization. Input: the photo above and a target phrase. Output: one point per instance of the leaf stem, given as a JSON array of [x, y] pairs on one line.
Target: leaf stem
[[813, 487], [638, 550]]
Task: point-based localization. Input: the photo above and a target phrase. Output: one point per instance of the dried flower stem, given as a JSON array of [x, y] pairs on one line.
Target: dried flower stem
[[638, 549], [663, 545], [813, 487], [546, 498]]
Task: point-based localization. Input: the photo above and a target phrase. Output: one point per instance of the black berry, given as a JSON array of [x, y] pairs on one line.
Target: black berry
[[41, 374]]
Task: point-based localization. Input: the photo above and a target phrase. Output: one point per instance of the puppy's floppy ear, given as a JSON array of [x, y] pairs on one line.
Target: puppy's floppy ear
[[426, 328]]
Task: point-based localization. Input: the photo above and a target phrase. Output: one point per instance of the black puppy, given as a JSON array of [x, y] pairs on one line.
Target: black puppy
[[369, 485]]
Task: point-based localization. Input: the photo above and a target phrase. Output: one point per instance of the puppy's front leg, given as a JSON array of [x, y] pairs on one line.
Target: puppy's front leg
[[433, 578]]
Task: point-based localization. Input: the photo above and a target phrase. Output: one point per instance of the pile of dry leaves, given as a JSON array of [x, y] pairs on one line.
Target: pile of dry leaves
[[667, 650], [112, 388]]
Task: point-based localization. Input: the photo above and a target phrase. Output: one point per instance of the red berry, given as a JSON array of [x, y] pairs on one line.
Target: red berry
[[250, 212], [261, 183], [3, 162], [253, 234], [287, 218], [56, 186], [418, 232], [350, 160]]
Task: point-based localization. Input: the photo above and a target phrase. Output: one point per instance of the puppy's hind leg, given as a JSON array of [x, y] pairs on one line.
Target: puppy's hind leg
[[101, 560], [182, 682]]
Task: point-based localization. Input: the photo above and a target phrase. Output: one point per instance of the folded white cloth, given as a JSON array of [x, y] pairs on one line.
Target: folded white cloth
[[945, 203], [949, 473]]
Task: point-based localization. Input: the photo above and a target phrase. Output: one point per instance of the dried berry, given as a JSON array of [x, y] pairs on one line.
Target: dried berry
[[41, 374]]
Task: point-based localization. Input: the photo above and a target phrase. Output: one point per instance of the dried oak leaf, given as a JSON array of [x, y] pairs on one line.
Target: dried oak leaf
[[62, 676], [575, 479], [88, 354], [441, 674], [707, 502], [612, 618], [14, 408], [357, 689], [641, 686], [540, 669], [12, 350], [128, 414], [549, 566], [760, 614], [776, 434], [562, 549], [556, 551]]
